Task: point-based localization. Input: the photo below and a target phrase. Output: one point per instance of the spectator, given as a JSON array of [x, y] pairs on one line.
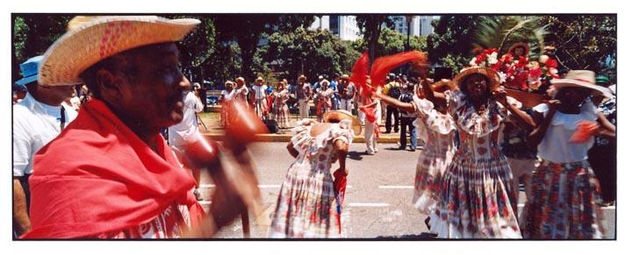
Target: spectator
[[406, 121], [186, 131], [323, 96], [280, 108], [335, 97], [111, 174], [259, 97], [392, 89], [347, 93], [226, 94], [304, 94], [37, 120]]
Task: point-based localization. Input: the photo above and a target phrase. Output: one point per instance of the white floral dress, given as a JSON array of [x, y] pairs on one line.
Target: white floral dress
[[437, 154], [307, 204], [477, 198]]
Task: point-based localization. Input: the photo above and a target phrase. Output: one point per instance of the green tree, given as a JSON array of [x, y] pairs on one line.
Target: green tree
[[370, 26], [33, 34], [450, 43], [249, 30], [583, 41], [308, 52]]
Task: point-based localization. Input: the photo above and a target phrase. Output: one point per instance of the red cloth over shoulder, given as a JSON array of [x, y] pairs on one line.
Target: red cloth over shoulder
[[98, 176]]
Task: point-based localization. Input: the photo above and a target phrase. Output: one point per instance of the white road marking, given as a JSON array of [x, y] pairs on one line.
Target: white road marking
[[368, 204], [395, 187]]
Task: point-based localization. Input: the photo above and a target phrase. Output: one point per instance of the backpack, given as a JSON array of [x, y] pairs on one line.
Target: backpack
[[394, 92]]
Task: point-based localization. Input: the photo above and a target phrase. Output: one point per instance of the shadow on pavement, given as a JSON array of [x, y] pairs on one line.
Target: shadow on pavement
[[421, 236], [355, 155]]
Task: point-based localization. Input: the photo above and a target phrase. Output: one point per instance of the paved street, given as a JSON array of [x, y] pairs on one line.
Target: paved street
[[379, 192]]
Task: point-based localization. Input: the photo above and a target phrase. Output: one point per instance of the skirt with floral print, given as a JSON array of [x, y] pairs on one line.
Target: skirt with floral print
[[428, 177], [476, 201], [564, 202]]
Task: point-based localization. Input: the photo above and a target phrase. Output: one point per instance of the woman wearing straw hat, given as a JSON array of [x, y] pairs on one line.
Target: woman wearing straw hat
[[280, 108], [323, 97], [308, 206], [476, 196], [440, 143], [110, 174], [565, 192]]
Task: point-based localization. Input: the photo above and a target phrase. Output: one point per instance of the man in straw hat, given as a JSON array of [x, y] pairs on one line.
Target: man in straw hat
[[259, 97], [304, 93], [37, 119], [111, 174], [347, 92]]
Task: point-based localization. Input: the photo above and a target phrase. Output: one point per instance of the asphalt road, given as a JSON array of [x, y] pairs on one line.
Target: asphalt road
[[379, 193]]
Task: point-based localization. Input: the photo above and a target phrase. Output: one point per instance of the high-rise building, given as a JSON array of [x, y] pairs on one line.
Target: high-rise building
[[344, 27], [420, 25], [320, 22]]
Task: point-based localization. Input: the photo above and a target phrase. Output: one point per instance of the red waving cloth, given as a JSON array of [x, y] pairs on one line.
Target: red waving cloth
[[98, 176], [383, 65], [340, 184], [359, 72]]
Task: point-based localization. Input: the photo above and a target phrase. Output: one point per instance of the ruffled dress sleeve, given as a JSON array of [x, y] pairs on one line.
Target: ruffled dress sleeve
[[469, 120], [301, 138], [431, 119]]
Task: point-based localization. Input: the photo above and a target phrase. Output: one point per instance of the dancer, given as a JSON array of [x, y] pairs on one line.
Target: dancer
[[440, 144], [372, 129], [307, 203], [564, 201], [477, 199]]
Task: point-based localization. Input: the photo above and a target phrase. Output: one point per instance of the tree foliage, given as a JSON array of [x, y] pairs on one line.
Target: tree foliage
[[450, 43], [33, 34], [584, 41], [308, 52]]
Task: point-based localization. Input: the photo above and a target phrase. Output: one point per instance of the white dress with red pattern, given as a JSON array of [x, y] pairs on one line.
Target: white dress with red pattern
[[437, 154], [477, 198], [169, 224], [307, 204]]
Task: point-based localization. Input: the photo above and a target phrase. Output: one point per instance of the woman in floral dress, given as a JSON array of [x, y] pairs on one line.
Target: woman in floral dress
[[323, 99], [440, 144], [307, 206], [476, 195], [280, 108], [565, 192]]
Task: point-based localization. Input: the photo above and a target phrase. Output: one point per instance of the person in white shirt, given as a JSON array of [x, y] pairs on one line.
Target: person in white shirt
[[259, 97], [241, 90], [304, 94], [186, 131], [37, 120]]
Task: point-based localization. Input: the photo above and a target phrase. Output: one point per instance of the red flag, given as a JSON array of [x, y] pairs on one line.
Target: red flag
[[383, 65], [340, 184]]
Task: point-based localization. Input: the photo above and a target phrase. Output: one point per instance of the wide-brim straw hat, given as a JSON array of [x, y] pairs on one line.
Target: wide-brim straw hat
[[339, 115], [92, 39], [495, 80], [581, 79]]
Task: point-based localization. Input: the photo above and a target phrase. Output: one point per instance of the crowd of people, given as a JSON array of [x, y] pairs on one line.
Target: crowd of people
[[90, 160]]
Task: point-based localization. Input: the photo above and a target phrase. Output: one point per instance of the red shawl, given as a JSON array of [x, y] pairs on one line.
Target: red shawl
[[98, 176]]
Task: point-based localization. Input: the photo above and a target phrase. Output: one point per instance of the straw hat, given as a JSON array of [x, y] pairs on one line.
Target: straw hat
[[339, 115], [488, 72], [92, 39], [581, 79], [259, 79], [301, 77], [345, 77]]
